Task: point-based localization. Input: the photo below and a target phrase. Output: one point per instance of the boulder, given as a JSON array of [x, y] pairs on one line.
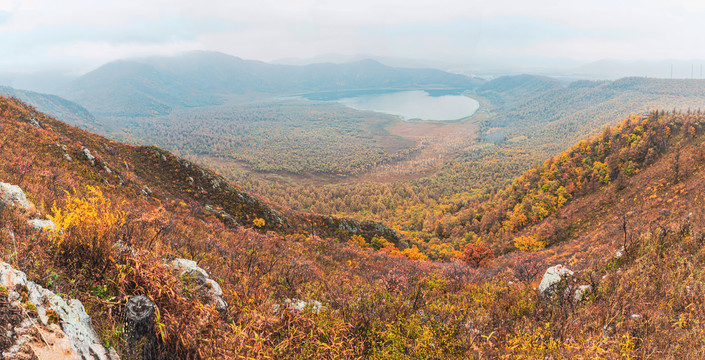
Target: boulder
[[552, 278], [87, 154], [189, 269], [12, 195], [65, 330], [33, 120]]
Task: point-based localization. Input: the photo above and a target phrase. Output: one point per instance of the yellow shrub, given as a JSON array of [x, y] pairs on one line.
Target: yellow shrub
[[86, 226], [413, 253], [359, 241], [380, 243], [258, 222], [528, 243]]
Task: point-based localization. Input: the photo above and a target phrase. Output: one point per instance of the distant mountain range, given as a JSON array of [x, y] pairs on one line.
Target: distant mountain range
[[158, 85]]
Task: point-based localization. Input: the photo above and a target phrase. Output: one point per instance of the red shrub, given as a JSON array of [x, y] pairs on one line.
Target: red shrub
[[477, 255]]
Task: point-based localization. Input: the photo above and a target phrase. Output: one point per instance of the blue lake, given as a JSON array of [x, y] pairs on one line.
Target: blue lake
[[415, 105]]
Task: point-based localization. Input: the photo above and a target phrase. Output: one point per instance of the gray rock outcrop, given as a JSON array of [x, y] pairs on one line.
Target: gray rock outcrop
[[12, 195], [54, 328]]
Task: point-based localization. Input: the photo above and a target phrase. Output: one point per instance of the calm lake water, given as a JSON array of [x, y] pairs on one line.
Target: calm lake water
[[418, 104]]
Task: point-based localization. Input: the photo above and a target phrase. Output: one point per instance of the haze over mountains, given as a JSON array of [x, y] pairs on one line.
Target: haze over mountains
[[154, 86], [143, 87]]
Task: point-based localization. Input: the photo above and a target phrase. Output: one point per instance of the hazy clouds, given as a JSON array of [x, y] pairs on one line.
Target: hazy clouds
[[82, 34]]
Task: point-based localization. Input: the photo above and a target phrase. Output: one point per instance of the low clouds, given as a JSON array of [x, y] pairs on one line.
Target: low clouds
[[37, 34], [101, 52]]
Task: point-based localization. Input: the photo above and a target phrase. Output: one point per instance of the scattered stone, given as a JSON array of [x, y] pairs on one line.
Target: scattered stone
[[189, 269], [33, 120], [107, 169], [190, 180], [73, 337], [87, 154], [146, 190], [68, 157], [224, 216], [300, 305], [609, 330], [41, 225], [552, 278]]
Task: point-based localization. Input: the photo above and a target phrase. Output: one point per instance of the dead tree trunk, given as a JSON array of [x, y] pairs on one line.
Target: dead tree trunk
[[139, 328]]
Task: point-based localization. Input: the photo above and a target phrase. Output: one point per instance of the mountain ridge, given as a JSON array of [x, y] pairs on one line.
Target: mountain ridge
[[152, 86]]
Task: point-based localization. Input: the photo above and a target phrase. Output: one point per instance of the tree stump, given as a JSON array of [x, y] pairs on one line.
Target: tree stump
[[139, 333]]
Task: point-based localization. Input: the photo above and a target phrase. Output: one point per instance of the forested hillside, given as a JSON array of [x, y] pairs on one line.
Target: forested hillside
[[612, 159]]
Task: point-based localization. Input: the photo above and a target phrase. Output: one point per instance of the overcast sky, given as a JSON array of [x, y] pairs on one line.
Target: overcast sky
[[81, 34]]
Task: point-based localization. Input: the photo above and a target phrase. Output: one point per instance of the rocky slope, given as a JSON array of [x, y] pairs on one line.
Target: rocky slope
[[45, 326]]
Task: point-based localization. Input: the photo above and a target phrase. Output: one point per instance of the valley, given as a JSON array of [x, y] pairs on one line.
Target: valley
[[412, 176], [622, 209], [305, 152], [352, 180], [339, 232]]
